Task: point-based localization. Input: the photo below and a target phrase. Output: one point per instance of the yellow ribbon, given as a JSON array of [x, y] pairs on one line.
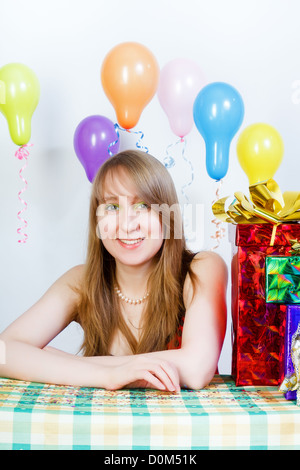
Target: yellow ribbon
[[295, 248], [292, 382], [266, 204]]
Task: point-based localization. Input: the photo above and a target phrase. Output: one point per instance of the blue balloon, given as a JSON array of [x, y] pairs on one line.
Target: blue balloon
[[218, 114]]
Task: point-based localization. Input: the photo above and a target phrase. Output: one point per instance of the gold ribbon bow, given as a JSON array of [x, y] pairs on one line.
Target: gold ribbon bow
[[292, 382], [266, 204], [295, 248]]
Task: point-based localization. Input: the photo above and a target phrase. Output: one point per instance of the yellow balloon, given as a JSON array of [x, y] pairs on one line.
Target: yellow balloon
[[260, 151], [20, 96]]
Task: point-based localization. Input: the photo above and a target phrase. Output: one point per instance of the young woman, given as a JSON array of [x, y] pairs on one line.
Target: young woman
[[153, 313]]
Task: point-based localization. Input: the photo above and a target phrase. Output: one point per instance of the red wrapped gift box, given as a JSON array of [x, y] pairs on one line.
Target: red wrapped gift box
[[258, 327]]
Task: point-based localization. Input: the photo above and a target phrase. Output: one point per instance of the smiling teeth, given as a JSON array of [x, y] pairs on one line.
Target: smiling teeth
[[131, 242]]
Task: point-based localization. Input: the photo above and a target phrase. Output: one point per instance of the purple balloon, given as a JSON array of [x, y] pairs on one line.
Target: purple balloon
[[92, 140]]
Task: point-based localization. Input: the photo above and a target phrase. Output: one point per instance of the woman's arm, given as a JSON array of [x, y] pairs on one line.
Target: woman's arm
[[24, 340], [204, 325], [26, 362], [27, 356], [195, 363]]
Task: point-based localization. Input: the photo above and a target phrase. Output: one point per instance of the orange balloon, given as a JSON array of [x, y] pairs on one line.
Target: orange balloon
[[129, 76]]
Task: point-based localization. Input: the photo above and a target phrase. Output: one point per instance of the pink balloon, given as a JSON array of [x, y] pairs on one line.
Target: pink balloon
[[180, 82]]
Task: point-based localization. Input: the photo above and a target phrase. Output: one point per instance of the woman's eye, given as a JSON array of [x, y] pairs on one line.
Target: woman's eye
[[111, 207], [141, 206]]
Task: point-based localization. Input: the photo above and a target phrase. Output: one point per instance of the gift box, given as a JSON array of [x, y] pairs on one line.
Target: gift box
[[283, 279], [263, 225], [292, 322], [258, 325]]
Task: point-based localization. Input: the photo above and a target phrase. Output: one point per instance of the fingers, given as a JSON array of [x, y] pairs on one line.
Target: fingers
[[148, 371], [152, 381], [164, 374], [160, 374], [172, 373]]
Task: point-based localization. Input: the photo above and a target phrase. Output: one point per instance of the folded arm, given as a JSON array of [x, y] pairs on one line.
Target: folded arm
[[25, 339], [25, 354], [204, 325], [28, 357], [196, 362]]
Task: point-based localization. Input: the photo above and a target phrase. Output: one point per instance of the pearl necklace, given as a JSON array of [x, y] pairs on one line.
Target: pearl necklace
[[130, 301]]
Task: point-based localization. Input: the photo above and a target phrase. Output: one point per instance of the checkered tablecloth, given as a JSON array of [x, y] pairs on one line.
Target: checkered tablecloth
[[221, 416]]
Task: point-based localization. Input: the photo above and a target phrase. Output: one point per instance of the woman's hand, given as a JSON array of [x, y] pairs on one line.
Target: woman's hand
[[144, 371]]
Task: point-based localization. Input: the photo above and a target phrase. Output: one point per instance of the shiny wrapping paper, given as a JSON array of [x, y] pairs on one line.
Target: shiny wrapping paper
[[291, 383], [283, 279], [292, 322], [258, 326]]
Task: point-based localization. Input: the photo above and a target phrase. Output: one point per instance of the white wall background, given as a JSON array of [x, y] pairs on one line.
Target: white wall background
[[253, 45]]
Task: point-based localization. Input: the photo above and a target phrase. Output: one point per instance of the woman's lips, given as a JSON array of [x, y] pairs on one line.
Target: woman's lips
[[130, 244]]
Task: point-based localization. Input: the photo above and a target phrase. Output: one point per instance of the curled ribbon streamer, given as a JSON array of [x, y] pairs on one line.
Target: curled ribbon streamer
[[138, 143], [292, 382], [220, 231], [22, 154], [185, 186], [191, 167], [115, 141], [169, 162], [266, 205]]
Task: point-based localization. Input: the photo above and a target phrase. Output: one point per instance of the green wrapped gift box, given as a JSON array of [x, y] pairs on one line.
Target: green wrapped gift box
[[283, 279]]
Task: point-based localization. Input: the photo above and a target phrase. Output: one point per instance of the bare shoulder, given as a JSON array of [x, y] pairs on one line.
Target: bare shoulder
[[69, 283], [63, 295], [209, 263], [51, 313], [210, 270], [74, 275]]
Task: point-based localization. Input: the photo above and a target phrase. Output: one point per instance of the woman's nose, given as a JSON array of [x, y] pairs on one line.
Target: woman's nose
[[128, 219]]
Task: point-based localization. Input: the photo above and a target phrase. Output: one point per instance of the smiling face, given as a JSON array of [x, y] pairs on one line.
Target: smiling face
[[128, 227]]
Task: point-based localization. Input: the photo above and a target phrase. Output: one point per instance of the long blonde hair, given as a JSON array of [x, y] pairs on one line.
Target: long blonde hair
[[98, 310]]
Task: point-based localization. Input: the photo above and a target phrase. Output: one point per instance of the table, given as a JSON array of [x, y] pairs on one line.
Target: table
[[221, 416]]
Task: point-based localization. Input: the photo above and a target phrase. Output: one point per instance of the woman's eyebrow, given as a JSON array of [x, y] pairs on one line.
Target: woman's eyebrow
[[110, 198], [113, 197]]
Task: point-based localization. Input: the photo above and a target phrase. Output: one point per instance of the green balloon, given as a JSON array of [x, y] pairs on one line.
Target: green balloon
[[20, 93]]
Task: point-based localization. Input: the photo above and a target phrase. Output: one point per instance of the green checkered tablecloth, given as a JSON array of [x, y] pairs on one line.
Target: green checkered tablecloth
[[221, 416]]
